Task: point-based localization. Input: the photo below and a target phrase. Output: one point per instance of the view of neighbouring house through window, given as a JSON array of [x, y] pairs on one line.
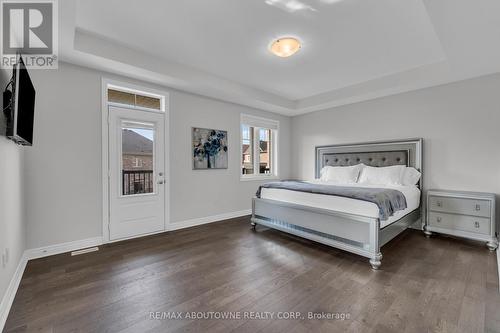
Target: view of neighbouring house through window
[[247, 149], [137, 160], [265, 151], [249, 135]]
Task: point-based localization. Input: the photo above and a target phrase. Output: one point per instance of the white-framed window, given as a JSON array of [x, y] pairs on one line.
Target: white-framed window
[[137, 162], [259, 148]]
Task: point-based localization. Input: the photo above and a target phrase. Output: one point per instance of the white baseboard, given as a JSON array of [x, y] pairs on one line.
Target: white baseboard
[[63, 247], [10, 293], [207, 219]]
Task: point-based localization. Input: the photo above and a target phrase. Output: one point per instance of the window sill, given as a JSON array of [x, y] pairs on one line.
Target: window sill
[[257, 178]]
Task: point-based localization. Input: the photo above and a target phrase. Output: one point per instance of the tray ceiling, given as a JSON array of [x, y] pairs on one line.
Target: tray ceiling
[[352, 49]]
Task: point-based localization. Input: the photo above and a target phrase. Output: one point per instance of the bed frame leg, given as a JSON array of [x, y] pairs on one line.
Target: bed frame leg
[[492, 245], [254, 226], [376, 255], [376, 262]]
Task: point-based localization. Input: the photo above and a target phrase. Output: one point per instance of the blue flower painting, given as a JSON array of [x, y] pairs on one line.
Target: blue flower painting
[[209, 149]]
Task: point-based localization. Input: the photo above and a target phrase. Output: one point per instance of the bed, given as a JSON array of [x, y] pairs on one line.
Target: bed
[[345, 223]]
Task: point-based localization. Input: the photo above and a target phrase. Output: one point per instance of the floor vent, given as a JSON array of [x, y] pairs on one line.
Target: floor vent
[[90, 249]]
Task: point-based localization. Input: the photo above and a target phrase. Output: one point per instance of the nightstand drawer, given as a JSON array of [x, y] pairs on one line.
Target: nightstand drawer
[[478, 225], [460, 206]]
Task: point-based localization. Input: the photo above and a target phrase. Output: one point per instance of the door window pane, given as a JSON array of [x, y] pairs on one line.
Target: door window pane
[[137, 159], [247, 150], [147, 102], [265, 151], [121, 97]]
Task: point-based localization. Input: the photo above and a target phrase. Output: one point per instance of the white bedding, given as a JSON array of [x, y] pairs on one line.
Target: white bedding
[[346, 205]]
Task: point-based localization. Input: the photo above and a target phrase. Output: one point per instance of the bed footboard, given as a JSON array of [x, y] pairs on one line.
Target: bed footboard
[[353, 233]]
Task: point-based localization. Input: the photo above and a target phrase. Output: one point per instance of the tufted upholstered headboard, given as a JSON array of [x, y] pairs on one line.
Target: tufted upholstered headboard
[[376, 159], [378, 154]]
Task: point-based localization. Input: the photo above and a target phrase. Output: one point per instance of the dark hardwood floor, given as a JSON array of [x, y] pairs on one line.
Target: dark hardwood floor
[[425, 285]]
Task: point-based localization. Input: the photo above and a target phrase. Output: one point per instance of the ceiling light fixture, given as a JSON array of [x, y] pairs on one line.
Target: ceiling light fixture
[[285, 46]]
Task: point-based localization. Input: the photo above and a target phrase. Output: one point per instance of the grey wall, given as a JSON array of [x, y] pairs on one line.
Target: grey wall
[[459, 122], [63, 168], [12, 222]]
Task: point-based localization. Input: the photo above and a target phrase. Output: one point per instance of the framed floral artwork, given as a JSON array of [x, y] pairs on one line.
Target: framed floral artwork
[[209, 148]]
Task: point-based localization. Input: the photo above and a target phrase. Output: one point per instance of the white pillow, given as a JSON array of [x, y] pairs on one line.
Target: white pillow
[[390, 175], [341, 174], [411, 176], [323, 172]]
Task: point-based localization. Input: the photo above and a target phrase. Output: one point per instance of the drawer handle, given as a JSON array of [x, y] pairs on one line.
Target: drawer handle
[[476, 224], [438, 219], [439, 203], [478, 207]]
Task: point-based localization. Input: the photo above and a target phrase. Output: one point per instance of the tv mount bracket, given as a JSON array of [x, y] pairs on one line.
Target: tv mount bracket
[[7, 104]]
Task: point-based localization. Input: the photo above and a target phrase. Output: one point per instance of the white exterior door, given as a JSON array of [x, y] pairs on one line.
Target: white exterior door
[[137, 169]]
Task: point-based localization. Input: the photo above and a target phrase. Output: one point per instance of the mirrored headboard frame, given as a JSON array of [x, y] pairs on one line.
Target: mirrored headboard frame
[[380, 153]]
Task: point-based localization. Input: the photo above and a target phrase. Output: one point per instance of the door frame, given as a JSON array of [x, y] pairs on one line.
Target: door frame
[[126, 86]]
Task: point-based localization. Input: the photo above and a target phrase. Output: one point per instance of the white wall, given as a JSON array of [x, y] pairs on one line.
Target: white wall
[[63, 168], [460, 124], [12, 225]]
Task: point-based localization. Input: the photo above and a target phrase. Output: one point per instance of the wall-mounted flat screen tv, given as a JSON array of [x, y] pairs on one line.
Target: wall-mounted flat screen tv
[[22, 106]]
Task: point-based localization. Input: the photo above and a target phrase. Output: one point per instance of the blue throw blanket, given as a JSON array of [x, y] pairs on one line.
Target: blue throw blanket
[[388, 201]]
